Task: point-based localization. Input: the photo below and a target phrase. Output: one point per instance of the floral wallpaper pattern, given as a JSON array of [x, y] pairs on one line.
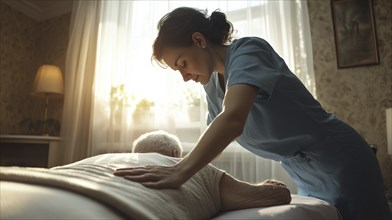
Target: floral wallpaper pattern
[[25, 45], [358, 95]]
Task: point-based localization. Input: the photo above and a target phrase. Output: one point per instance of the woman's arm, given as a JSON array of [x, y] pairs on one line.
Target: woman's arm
[[235, 194], [227, 126]]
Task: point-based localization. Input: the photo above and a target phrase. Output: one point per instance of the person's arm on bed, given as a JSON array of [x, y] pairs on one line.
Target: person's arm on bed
[[236, 194]]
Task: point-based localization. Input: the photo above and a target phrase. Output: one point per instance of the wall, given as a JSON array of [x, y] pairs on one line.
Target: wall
[[357, 95], [25, 45]]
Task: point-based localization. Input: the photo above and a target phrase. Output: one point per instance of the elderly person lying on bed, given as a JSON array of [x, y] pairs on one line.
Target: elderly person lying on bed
[[88, 188], [234, 194]]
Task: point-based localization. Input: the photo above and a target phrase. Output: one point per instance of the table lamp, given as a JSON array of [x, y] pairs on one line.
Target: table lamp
[[48, 84]]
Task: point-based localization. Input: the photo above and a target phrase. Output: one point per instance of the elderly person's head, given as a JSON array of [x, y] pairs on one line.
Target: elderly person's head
[[158, 142]]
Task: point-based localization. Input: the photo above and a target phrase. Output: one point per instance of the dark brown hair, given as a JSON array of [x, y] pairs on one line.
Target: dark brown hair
[[175, 29]]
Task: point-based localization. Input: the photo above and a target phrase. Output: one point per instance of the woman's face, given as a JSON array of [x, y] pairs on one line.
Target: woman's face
[[194, 62]]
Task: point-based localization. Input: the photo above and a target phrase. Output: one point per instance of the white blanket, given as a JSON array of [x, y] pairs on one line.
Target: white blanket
[[198, 198]]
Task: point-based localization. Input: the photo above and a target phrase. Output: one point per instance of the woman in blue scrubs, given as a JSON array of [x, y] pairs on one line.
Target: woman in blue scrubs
[[255, 99]]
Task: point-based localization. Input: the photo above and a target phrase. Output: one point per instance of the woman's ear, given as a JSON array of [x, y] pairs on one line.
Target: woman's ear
[[199, 39]]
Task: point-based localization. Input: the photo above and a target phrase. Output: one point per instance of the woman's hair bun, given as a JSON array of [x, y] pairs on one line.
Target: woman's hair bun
[[220, 29]]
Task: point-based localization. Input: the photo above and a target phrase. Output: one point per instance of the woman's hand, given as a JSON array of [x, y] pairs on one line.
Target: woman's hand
[[152, 176]]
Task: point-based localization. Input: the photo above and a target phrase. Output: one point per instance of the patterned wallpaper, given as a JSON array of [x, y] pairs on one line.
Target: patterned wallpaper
[[357, 95], [25, 45]]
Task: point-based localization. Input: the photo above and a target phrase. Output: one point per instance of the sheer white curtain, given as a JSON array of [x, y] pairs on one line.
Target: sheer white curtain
[[131, 95], [79, 77]]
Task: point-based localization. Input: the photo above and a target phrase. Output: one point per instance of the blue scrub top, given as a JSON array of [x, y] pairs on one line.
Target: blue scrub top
[[325, 156], [285, 117]]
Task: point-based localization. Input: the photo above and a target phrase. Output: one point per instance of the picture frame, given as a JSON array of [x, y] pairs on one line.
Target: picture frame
[[355, 33]]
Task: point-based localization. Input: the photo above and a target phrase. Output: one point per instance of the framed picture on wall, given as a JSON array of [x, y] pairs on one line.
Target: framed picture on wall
[[355, 34]]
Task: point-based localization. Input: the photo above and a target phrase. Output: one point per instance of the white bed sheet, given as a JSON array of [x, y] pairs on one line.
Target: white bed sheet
[[79, 193], [300, 208]]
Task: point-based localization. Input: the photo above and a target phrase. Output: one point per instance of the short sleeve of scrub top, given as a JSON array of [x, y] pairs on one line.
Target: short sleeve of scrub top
[[254, 64]]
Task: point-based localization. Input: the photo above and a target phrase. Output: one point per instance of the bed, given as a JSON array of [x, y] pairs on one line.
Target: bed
[[87, 189]]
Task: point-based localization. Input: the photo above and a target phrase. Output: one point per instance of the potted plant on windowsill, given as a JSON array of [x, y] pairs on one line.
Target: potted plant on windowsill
[[143, 115]]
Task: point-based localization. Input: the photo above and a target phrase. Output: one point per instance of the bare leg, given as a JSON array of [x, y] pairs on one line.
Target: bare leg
[[236, 194]]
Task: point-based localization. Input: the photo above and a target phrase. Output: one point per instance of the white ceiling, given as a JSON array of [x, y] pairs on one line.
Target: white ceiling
[[40, 10]]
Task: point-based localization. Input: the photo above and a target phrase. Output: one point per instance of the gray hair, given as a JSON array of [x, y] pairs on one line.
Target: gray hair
[[159, 142]]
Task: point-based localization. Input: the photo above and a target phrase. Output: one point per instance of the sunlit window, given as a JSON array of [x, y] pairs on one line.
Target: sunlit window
[[136, 93], [133, 94]]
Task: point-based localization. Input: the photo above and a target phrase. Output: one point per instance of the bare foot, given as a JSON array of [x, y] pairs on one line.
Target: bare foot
[[273, 182]]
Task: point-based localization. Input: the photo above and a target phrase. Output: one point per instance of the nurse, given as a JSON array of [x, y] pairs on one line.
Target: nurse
[[255, 99]]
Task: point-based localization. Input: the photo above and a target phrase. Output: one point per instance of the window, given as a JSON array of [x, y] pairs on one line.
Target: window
[[134, 95]]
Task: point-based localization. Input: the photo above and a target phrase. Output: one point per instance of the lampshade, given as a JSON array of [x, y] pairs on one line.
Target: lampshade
[[48, 82]]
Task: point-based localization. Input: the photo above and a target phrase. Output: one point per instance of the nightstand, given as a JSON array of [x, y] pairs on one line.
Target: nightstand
[[29, 150]]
